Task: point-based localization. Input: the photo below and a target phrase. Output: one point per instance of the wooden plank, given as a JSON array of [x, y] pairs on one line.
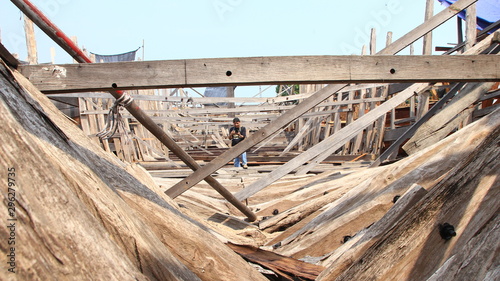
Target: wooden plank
[[101, 124], [207, 100], [286, 267], [309, 103], [259, 71], [298, 137], [428, 134], [423, 104], [427, 43], [84, 118], [9, 59], [359, 137], [367, 237], [482, 112]]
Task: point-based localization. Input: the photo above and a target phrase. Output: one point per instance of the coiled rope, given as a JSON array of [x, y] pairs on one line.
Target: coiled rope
[[115, 119]]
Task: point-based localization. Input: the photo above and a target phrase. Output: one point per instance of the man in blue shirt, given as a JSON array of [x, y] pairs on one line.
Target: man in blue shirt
[[238, 133]]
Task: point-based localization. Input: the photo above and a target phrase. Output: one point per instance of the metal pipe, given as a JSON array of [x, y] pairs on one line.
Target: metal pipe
[[65, 43], [34, 14]]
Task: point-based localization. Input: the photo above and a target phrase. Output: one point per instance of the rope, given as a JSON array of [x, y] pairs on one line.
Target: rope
[[115, 119]]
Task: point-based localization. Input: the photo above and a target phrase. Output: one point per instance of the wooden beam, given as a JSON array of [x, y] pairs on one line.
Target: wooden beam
[[259, 71], [6, 56], [287, 268], [328, 145], [291, 115], [207, 100], [427, 44], [431, 132]]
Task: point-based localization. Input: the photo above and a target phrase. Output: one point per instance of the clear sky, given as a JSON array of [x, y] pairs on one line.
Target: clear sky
[[174, 29]]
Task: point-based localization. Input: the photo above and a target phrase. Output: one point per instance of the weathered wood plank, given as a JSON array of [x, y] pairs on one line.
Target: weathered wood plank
[[376, 189], [343, 258], [428, 133], [466, 198], [208, 100], [261, 71], [8, 57], [285, 266]]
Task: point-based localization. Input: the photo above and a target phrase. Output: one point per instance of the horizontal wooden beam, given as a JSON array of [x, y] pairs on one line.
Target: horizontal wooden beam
[[393, 88], [261, 71]]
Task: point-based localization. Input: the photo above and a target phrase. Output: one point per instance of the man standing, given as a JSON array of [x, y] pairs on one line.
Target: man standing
[[237, 134]]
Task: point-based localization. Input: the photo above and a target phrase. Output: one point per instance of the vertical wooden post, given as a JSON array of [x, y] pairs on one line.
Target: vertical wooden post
[[230, 94], [373, 93], [362, 106], [423, 104], [30, 41], [388, 41], [349, 120], [52, 55], [471, 27], [429, 13]]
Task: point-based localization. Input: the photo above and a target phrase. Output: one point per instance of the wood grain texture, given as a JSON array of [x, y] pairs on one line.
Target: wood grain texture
[[467, 198], [260, 71], [362, 193]]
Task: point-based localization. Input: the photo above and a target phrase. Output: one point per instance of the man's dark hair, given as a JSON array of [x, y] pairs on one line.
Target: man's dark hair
[[236, 120]]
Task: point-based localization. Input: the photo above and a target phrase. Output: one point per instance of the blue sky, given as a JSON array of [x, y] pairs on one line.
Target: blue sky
[[174, 29]]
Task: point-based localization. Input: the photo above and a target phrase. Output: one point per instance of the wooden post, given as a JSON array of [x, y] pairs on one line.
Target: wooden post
[[362, 108], [30, 41], [373, 93], [230, 94], [471, 27], [52, 55], [429, 12]]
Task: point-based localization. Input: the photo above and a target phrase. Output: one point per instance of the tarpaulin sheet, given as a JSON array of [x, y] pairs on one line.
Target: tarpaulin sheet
[[488, 11], [216, 92], [129, 56]]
